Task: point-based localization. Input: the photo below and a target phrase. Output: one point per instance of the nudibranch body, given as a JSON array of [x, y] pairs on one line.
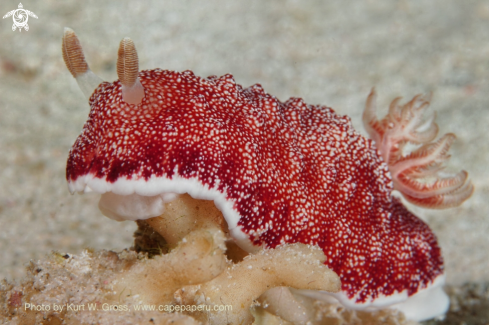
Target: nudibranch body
[[280, 172]]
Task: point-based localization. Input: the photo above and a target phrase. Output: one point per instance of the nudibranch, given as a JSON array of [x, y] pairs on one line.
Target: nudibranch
[[280, 172]]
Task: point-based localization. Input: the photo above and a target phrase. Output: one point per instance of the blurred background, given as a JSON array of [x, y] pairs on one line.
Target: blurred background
[[327, 52]]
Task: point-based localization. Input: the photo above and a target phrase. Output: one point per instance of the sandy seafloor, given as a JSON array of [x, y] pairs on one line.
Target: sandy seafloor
[[327, 52]]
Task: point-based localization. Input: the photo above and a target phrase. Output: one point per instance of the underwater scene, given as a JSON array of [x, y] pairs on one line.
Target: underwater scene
[[244, 162]]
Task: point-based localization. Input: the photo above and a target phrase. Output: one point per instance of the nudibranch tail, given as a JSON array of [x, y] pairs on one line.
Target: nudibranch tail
[[76, 63], [418, 175], [127, 71]]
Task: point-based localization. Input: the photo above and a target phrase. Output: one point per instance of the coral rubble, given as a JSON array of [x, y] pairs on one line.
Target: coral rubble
[[182, 286]]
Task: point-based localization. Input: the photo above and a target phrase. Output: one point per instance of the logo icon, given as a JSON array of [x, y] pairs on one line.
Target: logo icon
[[20, 17]]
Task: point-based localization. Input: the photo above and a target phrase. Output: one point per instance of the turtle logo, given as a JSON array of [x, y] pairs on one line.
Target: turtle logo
[[20, 17]]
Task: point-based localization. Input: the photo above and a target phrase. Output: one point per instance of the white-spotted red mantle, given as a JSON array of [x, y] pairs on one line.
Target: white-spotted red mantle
[[280, 173]]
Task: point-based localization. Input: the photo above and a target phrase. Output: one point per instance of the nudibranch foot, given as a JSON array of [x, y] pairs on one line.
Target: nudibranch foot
[[427, 303], [419, 175]]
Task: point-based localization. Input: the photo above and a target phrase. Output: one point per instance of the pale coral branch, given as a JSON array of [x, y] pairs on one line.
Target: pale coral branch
[[198, 258], [295, 265]]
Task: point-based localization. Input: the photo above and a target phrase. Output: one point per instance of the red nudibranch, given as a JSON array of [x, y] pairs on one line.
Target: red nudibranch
[[280, 172]]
